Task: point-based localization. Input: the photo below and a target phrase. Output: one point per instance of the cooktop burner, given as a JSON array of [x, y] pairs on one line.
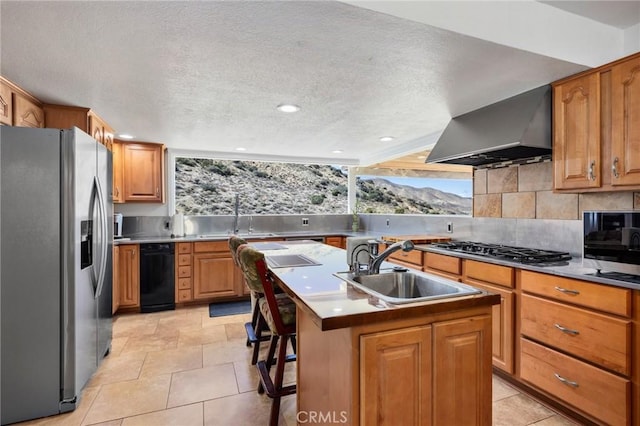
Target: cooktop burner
[[510, 253]]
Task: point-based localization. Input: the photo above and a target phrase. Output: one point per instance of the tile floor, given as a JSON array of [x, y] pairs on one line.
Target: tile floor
[[183, 368]]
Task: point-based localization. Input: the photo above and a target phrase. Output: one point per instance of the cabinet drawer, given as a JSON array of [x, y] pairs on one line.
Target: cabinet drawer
[[184, 248], [207, 246], [184, 259], [441, 262], [596, 392], [184, 295], [184, 271], [413, 256], [604, 298], [488, 272], [589, 335], [184, 283]]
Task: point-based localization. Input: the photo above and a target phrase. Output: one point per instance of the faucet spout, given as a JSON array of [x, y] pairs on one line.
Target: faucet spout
[[376, 261], [236, 229]]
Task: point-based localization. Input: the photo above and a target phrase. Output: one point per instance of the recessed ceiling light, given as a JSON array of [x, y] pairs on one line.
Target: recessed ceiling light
[[125, 136], [288, 108], [386, 138], [337, 151], [241, 149]]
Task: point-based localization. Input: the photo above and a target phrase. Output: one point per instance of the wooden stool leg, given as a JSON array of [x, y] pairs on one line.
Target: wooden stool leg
[[270, 356], [281, 362], [259, 326]]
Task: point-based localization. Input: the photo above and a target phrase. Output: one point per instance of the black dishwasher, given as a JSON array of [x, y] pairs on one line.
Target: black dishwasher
[[157, 284]]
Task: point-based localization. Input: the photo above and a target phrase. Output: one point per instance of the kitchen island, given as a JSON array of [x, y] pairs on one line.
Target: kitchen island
[[363, 361]]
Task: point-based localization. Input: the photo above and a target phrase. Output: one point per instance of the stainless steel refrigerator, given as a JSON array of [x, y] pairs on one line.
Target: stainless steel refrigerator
[[56, 233]]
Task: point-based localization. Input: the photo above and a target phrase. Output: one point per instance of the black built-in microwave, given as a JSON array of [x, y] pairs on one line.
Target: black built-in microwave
[[611, 241]]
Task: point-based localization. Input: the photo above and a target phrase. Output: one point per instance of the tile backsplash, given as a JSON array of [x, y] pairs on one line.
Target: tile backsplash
[[526, 192]]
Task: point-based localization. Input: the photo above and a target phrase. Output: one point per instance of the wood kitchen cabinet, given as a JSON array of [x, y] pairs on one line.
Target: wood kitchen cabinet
[[576, 345], [65, 117], [335, 241], [184, 272], [19, 108], [433, 370], [117, 186], [115, 299], [129, 275], [214, 272], [139, 171], [596, 129]]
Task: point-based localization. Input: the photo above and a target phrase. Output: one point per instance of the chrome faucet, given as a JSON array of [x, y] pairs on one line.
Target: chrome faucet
[[236, 229], [376, 260]]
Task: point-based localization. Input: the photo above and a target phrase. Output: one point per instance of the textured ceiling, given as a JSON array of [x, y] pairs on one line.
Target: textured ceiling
[[207, 76]]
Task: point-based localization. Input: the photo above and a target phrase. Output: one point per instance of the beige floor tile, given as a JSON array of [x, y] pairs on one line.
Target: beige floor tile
[[134, 325], [172, 360], [109, 423], [555, 420], [245, 409], [502, 389], [246, 376], [187, 415], [148, 343], [224, 352], [118, 369], [117, 344], [289, 410], [235, 331], [227, 319], [124, 399], [201, 336], [518, 410], [182, 322], [202, 384]]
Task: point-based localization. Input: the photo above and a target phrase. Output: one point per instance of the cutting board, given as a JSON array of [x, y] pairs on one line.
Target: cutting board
[[417, 239]]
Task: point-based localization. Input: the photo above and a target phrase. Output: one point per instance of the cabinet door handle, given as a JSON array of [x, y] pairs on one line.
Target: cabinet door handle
[[614, 168], [133, 253], [566, 381], [567, 330], [567, 291], [592, 170], [157, 191]]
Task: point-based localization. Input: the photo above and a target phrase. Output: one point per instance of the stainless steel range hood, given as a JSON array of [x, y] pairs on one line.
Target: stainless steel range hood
[[512, 129]]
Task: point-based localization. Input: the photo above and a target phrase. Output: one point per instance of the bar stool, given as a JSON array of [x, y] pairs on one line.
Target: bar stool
[[279, 311], [258, 325]]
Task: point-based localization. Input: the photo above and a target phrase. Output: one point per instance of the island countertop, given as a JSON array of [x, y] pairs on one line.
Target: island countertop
[[332, 303]]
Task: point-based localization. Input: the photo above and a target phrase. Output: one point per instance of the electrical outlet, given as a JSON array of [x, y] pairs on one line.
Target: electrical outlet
[[449, 227], [387, 222], [305, 221]]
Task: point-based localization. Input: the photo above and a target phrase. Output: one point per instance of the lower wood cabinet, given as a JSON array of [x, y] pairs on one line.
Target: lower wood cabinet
[[214, 272], [129, 275], [115, 299], [335, 241], [184, 273]]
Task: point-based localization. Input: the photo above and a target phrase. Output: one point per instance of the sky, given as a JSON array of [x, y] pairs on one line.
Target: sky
[[461, 187]]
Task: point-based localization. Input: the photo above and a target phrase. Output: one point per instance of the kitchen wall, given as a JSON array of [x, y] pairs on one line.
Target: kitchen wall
[[526, 192]]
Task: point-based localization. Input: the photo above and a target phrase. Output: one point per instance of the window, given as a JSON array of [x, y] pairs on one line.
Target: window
[[205, 186], [209, 187], [413, 195]]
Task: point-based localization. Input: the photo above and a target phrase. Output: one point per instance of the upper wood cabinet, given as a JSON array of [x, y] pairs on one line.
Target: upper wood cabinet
[[576, 143], [596, 127], [138, 172], [625, 123], [65, 117], [19, 108]]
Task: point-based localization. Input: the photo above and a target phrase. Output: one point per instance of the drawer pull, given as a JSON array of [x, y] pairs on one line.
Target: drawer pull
[[567, 330], [567, 291], [566, 381]]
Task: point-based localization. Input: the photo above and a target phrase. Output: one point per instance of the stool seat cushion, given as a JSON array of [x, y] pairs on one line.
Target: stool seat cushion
[[287, 309]]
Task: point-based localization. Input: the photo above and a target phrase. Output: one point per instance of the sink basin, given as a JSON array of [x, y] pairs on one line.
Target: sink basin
[[407, 287]]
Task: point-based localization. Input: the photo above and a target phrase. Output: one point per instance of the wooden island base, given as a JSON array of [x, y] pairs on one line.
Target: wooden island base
[[433, 369]]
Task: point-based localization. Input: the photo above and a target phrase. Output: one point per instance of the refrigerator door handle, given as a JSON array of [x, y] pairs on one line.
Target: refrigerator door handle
[[104, 244]]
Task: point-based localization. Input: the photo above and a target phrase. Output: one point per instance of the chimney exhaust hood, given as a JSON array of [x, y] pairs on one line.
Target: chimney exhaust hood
[[512, 129]]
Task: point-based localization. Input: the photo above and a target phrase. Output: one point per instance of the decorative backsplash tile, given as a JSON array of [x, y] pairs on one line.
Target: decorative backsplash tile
[[519, 205], [502, 180], [526, 192]]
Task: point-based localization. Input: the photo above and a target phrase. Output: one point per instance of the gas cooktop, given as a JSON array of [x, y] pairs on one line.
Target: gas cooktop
[[502, 252]]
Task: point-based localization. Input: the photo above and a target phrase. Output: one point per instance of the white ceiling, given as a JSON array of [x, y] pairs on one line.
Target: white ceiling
[[206, 76]]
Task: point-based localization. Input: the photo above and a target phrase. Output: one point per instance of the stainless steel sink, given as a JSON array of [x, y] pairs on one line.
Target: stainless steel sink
[[407, 287]]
